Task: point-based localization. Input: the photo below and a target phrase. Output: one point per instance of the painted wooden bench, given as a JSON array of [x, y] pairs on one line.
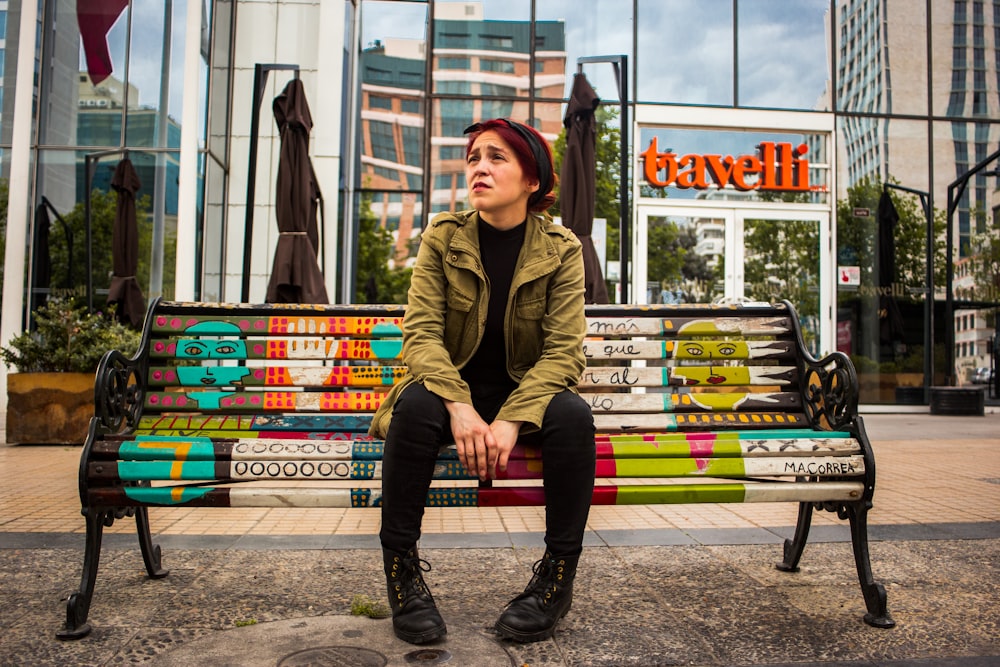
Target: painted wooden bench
[[693, 404]]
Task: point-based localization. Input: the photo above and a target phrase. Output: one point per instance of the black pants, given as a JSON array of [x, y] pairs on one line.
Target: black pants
[[421, 425]]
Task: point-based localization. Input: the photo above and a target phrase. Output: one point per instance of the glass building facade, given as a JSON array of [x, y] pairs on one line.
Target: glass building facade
[[764, 138]]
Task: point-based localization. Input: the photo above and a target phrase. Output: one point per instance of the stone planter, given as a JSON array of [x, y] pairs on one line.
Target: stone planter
[[49, 408]]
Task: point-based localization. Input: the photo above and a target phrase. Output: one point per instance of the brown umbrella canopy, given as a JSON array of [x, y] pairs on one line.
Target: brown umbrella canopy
[[295, 276], [124, 292], [577, 180]]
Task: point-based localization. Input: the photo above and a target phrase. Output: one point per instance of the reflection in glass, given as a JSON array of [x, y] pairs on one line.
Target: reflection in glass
[[596, 28], [881, 64], [684, 52], [781, 55], [477, 53], [685, 258], [781, 261], [68, 244], [100, 96]]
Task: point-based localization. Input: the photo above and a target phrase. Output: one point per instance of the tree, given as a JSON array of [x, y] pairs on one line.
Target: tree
[[782, 260], [986, 263], [102, 218], [376, 281], [856, 236]]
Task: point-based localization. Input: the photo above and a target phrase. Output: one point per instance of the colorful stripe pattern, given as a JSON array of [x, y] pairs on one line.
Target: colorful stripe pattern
[[651, 494]]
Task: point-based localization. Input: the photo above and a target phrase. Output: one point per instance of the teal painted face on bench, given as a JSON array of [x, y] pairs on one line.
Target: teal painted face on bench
[[212, 376], [197, 348]]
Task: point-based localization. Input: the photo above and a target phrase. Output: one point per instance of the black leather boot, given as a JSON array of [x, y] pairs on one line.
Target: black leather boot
[[532, 615], [415, 618]]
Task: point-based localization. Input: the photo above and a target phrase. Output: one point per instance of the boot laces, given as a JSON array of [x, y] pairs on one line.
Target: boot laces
[[546, 580], [411, 581]]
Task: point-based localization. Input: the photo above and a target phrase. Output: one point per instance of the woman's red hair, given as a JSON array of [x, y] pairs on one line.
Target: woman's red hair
[[531, 160]]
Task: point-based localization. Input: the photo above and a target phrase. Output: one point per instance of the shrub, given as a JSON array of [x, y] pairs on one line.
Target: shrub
[[67, 339]]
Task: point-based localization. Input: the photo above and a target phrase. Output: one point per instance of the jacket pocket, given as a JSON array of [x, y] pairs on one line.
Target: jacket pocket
[[527, 334], [530, 309]]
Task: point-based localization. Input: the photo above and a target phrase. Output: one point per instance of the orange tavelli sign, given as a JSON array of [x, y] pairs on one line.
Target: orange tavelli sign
[[777, 166]]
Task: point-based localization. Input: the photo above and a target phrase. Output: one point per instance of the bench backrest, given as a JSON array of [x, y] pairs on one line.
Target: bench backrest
[[248, 371]]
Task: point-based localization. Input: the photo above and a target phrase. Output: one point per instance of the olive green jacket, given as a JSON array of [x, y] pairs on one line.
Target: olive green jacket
[[446, 316]]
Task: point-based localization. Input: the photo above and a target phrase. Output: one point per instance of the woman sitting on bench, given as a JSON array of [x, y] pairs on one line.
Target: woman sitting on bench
[[492, 339]]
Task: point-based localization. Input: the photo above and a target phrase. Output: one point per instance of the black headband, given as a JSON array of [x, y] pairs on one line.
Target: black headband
[[542, 160]]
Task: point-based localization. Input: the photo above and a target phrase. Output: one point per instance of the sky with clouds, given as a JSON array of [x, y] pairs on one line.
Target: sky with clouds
[[685, 46]]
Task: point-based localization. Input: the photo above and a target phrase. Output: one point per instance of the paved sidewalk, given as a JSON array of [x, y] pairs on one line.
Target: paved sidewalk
[[659, 585]]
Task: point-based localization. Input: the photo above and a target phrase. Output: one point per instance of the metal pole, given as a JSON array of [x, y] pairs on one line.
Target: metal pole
[[955, 191], [160, 178], [620, 64], [260, 73], [87, 179]]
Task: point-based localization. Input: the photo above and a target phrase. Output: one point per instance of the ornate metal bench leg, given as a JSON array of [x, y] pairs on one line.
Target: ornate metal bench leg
[[150, 551], [78, 605], [795, 546], [875, 597]]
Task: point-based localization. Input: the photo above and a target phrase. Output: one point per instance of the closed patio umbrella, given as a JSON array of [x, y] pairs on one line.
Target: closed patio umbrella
[[124, 292], [577, 181], [295, 275], [41, 259]]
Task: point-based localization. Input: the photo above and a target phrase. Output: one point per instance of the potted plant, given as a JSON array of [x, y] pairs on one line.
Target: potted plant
[[50, 399]]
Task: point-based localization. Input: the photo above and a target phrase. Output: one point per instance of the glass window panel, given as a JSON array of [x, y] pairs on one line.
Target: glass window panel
[[958, 148], [61, 180], [694, 280], [684, 52], [881, 61], [100, 105], [393, 81], [482, 48], [399, 213], [220, 84], [158, 82], [782, 55], [604, 27]]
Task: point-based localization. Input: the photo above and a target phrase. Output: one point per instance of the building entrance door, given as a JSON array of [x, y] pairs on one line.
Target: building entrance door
[[698, 254]]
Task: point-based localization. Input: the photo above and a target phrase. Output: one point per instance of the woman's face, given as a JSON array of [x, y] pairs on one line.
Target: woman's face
[[498, 188]]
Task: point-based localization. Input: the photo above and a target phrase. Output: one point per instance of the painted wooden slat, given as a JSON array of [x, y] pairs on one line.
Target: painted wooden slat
[[703, 420], [276, 348], [166, 448], [275, 376], [219, 322], [827, 466], [692, 402], [264, 401], [659, 445], [706, 351], [325, 470], [199, 496], [312, 426], [682, 445], [686, 376], [692, 326]]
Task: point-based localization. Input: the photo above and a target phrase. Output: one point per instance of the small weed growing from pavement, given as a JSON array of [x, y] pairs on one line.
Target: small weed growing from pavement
[[362, 605]]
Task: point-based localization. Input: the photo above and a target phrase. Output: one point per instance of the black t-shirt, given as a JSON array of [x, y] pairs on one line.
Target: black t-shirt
[[486, 372]]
